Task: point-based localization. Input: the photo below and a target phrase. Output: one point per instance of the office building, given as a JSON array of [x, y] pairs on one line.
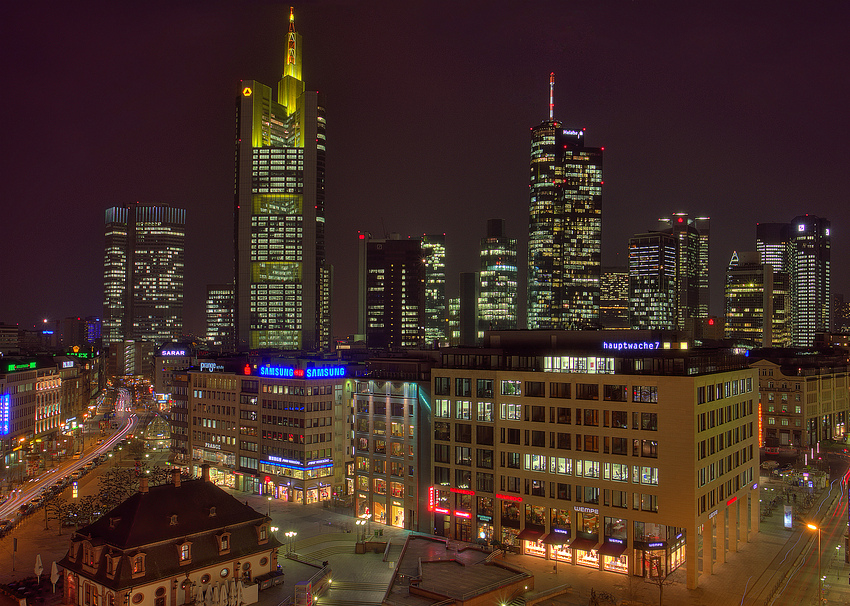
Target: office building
[[622, 452], [392, 442], [691, 267], [803, 396], [653, 292], [614, 298], [143, 273], [276, 427], [497, 299], [220, 314], [809, 262], [772, 245], [840, 314], [757, 302], [565, 227], [391, 291], [436, 315], [282, 280], [469, 332]]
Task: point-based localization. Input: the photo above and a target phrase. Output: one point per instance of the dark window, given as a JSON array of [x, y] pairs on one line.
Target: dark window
[[619, 446], [463, 456], [535, 389], [484, 434], [559, 390], [649, 421], [649, 448], [565, 415], [514, 460], [591, 494], [591, 443], [538, 488], [591, 417], [463, 387], [538, 414], [513, 436], [463, 433], [615, 393], [538, 438], [619, 419], [484, 482], [442, 453], [441, 386], [397, 409], [564, 441], [463, 479], [442, 476], [484, 458], [587, 391], [564, 491], [442, 430], [485, 388]]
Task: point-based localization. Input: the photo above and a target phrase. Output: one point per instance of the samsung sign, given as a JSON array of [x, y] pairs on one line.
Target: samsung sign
[[288, 372], [635, 345]]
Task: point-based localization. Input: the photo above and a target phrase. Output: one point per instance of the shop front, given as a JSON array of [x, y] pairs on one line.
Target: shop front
[[397, 510], [510, 537], [531, 542], [485, 528], [613, 550], [587, 537], [558, 542], [658, 549]]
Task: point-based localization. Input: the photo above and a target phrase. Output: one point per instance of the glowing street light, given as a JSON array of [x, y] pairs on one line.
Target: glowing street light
[[820, 579]]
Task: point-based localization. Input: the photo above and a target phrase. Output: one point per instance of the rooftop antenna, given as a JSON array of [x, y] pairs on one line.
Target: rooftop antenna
[[552, 96]]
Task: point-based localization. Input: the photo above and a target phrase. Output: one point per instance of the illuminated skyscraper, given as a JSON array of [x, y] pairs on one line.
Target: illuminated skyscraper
[[565, 227], [497, 299], [391, 292], [143, 273], [436, 317], [614, 297], [219, 310], [772, 244], [757, 301], [282, 281], [653, 292], [809, 260], [691, 266]]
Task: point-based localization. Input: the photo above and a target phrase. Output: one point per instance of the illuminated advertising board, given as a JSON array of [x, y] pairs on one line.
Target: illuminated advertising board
[[5, 413], [288, 372], [173, 352], [631, 345], [23, 366]]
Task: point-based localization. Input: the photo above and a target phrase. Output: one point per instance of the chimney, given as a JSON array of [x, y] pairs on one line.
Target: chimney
[[143, 485], [175, 477], [205, 472]]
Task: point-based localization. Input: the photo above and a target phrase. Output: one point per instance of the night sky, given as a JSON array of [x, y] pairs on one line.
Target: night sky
[[735, 111]]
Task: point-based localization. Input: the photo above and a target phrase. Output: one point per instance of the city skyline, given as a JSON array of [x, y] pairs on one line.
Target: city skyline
[[697, 111]]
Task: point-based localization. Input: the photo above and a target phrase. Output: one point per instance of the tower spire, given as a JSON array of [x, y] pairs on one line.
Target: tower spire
[[552, 96], [291, 47]]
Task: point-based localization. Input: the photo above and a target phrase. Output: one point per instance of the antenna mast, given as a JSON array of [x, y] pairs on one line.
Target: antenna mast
[[552, 96]]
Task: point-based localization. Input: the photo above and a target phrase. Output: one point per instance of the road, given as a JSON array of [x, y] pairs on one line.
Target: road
[[32, 489], [801, 585]]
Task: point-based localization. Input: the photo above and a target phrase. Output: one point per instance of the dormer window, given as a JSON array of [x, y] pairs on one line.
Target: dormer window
[[113, 523], [262, 534], [184, 551], [223, 543], [139, 564], [212, 512], [174, 519]]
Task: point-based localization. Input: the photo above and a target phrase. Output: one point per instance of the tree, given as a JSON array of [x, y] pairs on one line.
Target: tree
[[661, 581]]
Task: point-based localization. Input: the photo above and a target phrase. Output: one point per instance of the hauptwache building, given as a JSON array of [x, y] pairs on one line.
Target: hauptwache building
[[275, 426], [622, 451]]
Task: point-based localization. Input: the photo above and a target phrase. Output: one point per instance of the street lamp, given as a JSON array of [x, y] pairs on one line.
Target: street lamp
[[290, 536], [361, 525], [270, 506], [820, 580]]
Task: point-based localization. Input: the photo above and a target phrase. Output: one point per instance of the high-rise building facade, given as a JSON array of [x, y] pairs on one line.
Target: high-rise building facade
[[436, 316], [219, 309], [772, 244], [614, 298], [809, 260], [691, 266], [497, 299], [282, 280], [565, 227], [143, 273], [757, 302], [653, 292], [391, 292]]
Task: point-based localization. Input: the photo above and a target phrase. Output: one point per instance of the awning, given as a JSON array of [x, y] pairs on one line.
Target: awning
[[529, 534], [583, 544], [555, 538], [612, 549]]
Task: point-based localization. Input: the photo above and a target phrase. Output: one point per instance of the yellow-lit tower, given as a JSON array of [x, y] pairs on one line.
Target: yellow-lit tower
[[282, 282]]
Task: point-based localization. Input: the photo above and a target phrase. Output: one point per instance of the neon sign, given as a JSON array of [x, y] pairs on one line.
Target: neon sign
[[462, 491], [24, 366], [5, 413], [173, 352], [432, 498], [288, 372], [508, 497], [462, 514], [210, 367], [636, 345]]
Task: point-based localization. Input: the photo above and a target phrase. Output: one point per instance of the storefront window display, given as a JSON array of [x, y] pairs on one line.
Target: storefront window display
[[363, 482], [379, 486], [398, 514], [362, 464], [463, 501], [380, 514], [535, 515], [362, 505], [397, 489], [587, 537], [510, 514], [559, 535], [510, 537], [534, 548]]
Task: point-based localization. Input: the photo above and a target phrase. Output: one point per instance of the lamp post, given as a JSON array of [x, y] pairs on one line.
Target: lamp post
[[820, 580], [290, 536], [361, 524], [270, 506]]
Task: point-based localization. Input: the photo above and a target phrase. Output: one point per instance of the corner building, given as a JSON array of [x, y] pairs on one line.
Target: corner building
[[622, 452]]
